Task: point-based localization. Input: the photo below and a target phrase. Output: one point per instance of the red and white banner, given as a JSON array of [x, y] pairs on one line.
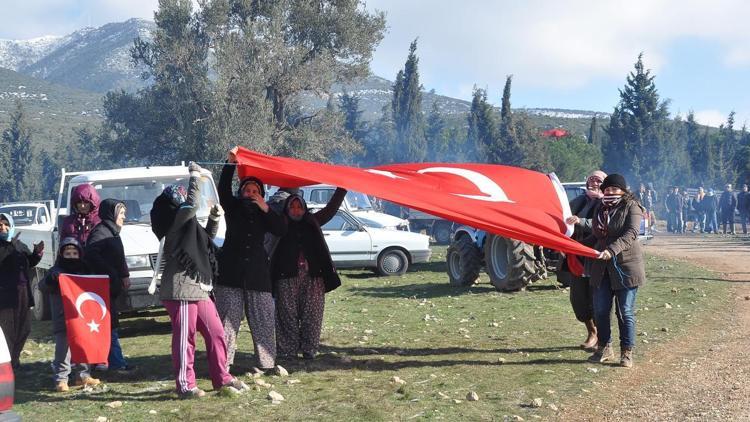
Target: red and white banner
[[509, 201], [7, 382], [87, 316]]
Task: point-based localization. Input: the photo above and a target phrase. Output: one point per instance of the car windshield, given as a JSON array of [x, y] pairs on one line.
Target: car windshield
[[139, 194], [22, 216], [358, 201]]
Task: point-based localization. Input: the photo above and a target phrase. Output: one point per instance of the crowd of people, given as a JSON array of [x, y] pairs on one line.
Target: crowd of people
[[273, 269], [700, 210]]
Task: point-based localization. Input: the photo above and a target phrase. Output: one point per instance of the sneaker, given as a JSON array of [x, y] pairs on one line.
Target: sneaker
[[308, 355], [602, 354], [233, 388], [626, 358], [194, 393], [62, 387], [87, 382], [125, 370], [101, 367]]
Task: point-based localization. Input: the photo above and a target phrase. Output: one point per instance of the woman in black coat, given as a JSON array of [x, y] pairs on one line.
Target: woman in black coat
[[244, 283], [16, 262], [105, 254], [303, 272]]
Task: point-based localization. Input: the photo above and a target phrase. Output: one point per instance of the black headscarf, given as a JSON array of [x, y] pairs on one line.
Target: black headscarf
[[71, 265], [191, 245], [108, 211], [248, 206]]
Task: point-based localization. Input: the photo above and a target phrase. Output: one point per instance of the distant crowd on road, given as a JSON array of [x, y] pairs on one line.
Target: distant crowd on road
[[699, 210]]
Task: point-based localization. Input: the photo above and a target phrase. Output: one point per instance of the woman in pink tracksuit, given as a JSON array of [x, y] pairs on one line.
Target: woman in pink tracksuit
[[186, 284]]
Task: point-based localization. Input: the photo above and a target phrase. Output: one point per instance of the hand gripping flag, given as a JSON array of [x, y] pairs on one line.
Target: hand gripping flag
[[509, 201], [87, 316]]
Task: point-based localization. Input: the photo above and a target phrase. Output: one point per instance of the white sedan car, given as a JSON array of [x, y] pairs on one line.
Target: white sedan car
[[389, 252]]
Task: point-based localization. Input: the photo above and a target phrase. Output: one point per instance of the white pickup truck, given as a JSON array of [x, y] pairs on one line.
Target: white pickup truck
[[137, 188]]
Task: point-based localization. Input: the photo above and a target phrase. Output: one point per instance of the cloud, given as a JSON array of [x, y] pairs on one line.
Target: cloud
[[711, 117], [560, 45]]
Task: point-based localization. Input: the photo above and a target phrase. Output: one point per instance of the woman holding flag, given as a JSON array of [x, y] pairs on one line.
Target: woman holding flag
[[620, 269], [186, 284]]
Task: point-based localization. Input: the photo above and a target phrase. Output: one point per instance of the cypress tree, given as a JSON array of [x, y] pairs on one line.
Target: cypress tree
[[482, 128], [434, 134], [406, 107], [17, 138]]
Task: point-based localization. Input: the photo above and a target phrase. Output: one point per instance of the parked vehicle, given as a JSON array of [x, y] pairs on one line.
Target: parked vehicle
[[354, 244], [137, 188], [357, 204], [31, 215]]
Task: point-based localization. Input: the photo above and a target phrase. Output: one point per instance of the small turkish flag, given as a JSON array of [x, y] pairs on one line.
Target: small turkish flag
[[87, 318]]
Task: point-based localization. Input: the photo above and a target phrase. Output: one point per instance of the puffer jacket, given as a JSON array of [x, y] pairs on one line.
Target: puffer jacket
[[627, 267]]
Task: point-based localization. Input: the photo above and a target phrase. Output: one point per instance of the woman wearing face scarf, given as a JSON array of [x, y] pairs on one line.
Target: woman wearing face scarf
[[303, 272], [85, 217], [104, 254], [16, 262], [68, 262], [244, 283], [619, 269], [582, 207], [186, 283]]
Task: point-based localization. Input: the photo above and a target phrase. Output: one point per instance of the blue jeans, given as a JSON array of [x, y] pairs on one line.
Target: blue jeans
[[116, 359], [712, 225], [624, 299]]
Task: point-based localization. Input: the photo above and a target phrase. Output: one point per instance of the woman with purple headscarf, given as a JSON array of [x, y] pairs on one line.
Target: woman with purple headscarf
[[84, 215]]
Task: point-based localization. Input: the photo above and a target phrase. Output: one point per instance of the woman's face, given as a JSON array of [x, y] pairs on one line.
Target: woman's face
[[70, 252], [4, 226], [120, 218], [612, 190], [593, 183], [249, 190], [295, 209], [83, 207]]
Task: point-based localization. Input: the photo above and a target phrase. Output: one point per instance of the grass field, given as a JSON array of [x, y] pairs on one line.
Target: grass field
[[443, 341]]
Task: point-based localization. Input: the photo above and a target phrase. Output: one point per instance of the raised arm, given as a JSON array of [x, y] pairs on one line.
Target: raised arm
[[189, 208], [326, 214]]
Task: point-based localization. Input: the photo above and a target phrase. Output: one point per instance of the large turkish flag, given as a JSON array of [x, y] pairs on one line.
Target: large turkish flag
[[509, 201], [87, 317]]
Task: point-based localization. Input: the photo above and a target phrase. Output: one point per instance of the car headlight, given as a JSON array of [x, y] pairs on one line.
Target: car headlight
[[138, 261]]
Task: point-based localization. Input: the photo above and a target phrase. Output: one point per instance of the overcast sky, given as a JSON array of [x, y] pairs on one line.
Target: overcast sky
[[562, 54]]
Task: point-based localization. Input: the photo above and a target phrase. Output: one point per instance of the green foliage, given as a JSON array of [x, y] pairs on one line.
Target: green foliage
[[24, 175], [482, 128], [263, 56], [406, 107], [639, 137], [573, 158]]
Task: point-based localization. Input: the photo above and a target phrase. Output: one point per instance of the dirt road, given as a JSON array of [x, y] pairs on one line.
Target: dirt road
[[701, 376]]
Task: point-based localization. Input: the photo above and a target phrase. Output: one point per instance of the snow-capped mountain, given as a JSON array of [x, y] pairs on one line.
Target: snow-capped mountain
[[93, 59], [17, 54]]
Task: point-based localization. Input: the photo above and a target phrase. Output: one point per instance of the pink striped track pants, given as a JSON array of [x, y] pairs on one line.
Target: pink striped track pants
[[187, 317]]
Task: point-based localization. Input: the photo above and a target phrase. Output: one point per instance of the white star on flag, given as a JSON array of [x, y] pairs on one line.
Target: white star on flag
[[93, 326]]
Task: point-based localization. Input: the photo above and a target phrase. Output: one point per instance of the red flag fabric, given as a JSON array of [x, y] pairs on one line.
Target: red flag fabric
[[555, 133], [509, 201], [87, 319], [7, 382]]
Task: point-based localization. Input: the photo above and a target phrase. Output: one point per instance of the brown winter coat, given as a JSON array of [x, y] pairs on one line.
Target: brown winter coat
[[627, 267]]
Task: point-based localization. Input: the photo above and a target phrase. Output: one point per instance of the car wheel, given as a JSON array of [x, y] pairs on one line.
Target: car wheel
[[392, 262], [41, 310]]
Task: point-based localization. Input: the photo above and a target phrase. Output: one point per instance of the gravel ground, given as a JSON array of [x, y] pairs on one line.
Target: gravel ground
[[700, 376]]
